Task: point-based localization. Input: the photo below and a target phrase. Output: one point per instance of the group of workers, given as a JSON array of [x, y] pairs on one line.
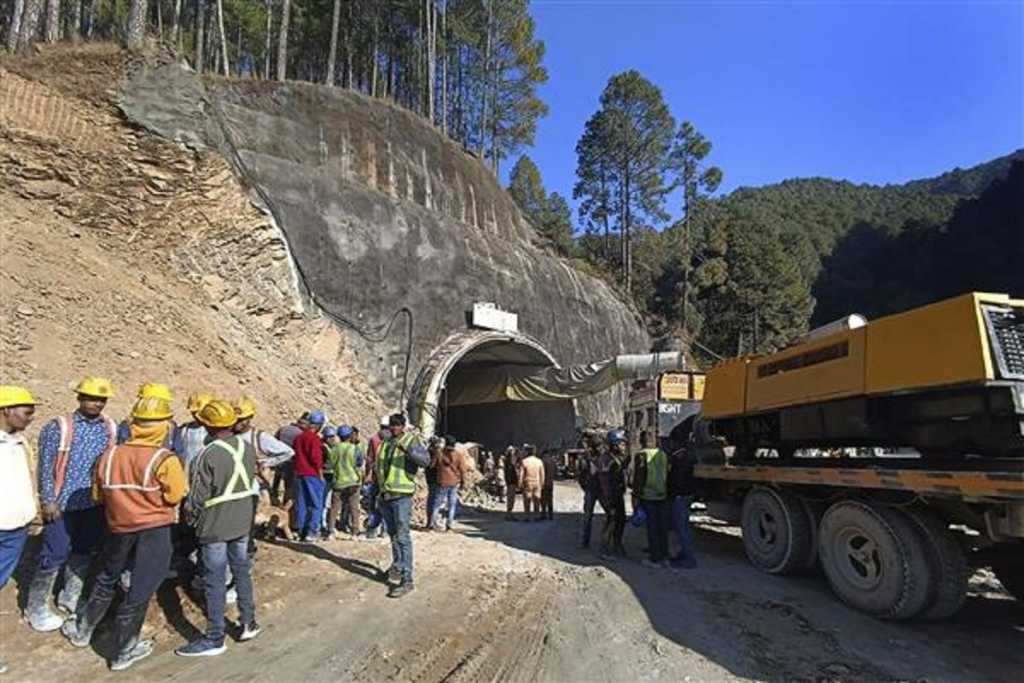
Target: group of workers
[[119, 501], [523, 470]]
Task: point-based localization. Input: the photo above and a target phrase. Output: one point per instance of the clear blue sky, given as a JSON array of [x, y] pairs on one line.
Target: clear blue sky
[[877, 92]]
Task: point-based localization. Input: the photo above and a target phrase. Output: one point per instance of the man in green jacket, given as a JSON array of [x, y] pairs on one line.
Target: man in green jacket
[[223, 493], [346, 461], [650, 486]]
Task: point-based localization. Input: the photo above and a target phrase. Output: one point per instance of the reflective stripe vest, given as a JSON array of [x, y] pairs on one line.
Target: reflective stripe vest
[[132, 496], [392, 475], [66, 424], [344, 461], [239, 486], [655, 485]]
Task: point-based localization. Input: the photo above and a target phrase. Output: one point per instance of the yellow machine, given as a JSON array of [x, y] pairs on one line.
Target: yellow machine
[[947, 379]]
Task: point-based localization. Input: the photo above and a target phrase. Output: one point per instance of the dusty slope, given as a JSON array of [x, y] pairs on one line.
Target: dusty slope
[[125, 256]]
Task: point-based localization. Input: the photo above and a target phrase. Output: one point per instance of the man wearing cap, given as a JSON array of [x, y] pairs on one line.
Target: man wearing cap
[[73, 524], [17, 406], [139, 483], [222, 485], [309, 482], [400, 456], [346, 459]]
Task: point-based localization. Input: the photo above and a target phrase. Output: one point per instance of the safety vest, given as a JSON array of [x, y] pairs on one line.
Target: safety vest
[[239, 486], [344, 462], [66, 424], [655, 484], [132, 496], [392, 476]]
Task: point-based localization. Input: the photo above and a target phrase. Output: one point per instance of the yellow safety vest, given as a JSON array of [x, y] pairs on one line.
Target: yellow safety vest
[[392, 476], [345, 474], [233, 491], [655, 485]]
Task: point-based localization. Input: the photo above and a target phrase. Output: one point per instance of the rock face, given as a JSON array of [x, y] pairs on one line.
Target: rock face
[[381, 212]]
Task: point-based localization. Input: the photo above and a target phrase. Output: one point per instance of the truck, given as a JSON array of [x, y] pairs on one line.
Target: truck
[[889, 454], [665, 405]]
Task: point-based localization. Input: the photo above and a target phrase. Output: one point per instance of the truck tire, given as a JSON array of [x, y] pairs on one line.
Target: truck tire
[[814, 511], [874, 559], [949, 565], [777, 534]]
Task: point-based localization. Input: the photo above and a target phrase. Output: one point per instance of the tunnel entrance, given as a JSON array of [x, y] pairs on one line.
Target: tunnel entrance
[[446, 398]]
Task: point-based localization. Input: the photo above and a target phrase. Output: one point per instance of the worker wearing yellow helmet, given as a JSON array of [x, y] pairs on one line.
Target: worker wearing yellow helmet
[[219, 507], [270, 451], [140, 483], [191, 437], [151, 390], [73, 525], [17, 406]]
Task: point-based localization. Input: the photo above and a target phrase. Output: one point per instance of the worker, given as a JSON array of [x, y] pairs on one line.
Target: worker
[[192, 435], [434, 447], [400, 457], [328, 438], [547, 494], [309, 482], [650, 487], [271, 453], [511, 478], [451, 478], [500, 482], [73, 525], [155, 390], [586, 477], [531, 479], [139, 483], [346, 458], [17, 407], [222, 485], [611, 476], [682, 487], [382, 434], [285, 474], [375, 528]]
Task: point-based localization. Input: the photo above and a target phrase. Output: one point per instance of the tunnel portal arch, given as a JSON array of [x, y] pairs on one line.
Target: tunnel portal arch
[[495, 424]]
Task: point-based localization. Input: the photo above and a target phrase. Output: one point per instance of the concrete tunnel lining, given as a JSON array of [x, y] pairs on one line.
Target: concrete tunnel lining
[[496, 425]]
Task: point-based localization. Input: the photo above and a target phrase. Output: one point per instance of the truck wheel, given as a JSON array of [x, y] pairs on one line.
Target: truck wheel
[[814, 511], [777, 533], [874, 559], [949, 565], [1010, 573]]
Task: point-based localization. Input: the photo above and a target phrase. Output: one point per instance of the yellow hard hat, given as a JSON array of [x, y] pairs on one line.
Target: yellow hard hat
[[95, 386], [245, 408], [218, 414], [156, 390], [152, 408], [11, 395], [197, 401]]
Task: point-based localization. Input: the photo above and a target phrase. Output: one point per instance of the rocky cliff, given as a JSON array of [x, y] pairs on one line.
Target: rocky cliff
[[382, 212]]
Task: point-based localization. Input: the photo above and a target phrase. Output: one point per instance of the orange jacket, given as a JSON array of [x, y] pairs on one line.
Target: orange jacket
[[139, 487]]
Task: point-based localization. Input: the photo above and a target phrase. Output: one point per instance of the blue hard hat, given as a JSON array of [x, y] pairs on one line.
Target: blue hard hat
[[317, 417], [344, 431], [329, 432], [616, 436]]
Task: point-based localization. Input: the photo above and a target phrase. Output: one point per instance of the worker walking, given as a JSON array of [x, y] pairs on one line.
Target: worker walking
[[650, 487], [73, 524], [17, 407], [401, 455], [682, 487], [309, 482], [451, 478], [139, 484], [531, 478], [510, 471], [611, 476], [346, 460], [547, 494], [586, 477], [222, 485]]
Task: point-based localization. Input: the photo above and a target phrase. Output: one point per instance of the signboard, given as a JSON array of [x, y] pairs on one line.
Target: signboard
[[490, 317], [675, 386], [698, 387]]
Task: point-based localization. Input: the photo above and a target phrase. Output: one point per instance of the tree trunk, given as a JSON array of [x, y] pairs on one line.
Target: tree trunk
[[176, 25], [30, 20], [15, 27], [282, 41], [485, 90], [348, 48], [269, 45], [373, 68], [444, 69], [223, 38], [75, 22], [332, 56], [52, 21], [160, 20], [238, 51], [200, 33], [91, 19], [136, 29]]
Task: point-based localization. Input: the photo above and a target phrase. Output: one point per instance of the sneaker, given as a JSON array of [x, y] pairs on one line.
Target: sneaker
[[44, 621], [201, 648], [70, 631], [393, 574], [141, 650], [401, 589], [251, 630]]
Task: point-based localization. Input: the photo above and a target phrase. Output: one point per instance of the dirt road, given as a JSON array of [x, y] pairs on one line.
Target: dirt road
[[512, 601]]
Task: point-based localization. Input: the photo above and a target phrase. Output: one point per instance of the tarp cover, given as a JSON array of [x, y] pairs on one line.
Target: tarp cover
[[494, 384]]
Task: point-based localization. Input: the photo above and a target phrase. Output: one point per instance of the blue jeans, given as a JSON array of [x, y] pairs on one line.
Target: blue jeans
[[589, 501], [309, 505], [657, 528], [216, 558], [432, 501], [77, 532], [449, 496], [12, 542], [397, 515], [681, 523]]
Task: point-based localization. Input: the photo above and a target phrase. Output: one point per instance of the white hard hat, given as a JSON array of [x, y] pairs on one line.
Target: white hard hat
[[385, 420]]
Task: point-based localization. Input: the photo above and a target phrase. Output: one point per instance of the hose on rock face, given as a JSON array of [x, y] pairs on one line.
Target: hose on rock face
[[375, 334]]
